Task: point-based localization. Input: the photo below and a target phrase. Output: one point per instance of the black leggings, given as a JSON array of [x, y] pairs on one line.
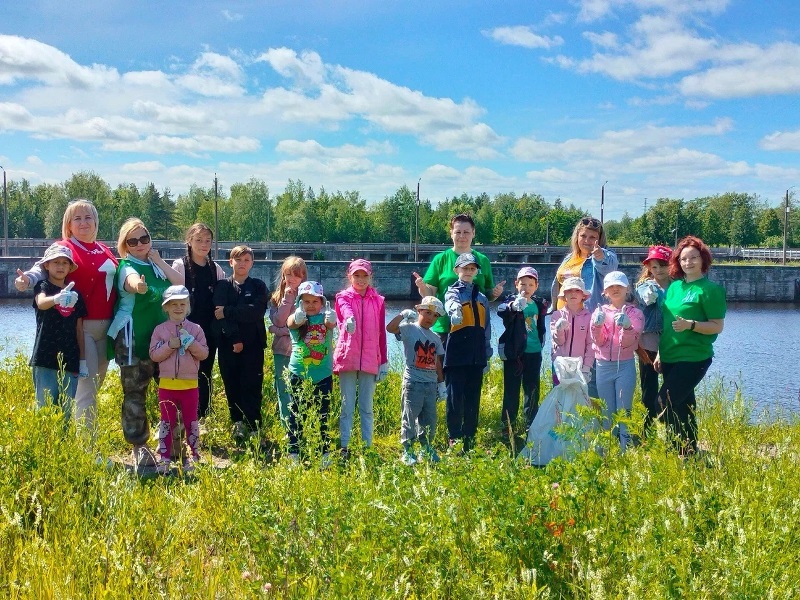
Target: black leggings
[[677, 400]]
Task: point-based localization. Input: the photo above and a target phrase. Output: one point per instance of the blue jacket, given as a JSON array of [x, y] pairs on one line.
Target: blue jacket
[[469, 343]]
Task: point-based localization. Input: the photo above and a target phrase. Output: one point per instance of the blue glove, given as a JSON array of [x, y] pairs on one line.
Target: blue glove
[[409, 315], [622, 320], [648, 293], [186, 341], [83, 369], [519, 303], [599, 317], [382, 373]]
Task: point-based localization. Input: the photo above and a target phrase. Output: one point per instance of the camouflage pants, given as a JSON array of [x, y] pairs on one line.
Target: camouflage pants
[[135, 378]]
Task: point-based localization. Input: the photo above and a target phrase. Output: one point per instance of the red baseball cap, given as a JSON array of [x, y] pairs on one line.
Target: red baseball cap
[[662, 253]]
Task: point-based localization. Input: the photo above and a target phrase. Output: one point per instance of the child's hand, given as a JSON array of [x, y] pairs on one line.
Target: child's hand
[[22, 281], [66, 298], [498, 289], [219, 312], [623, 320], [350, 325], [300, 315], [519, 303], [647, 293], [383, 371], [83, 369], [186, 340], [409, 315], [441, 391], [141, 285], [456, 315], [599, 317], [238, 347], [330, 315], [174, 342], [561, 325]]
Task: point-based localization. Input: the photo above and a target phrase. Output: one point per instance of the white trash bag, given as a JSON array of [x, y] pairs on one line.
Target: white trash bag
[[559, 406]]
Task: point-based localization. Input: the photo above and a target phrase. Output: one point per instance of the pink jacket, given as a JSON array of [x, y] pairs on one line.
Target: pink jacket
[[364, 350], [170, 362], [574, 341], [612, 342]]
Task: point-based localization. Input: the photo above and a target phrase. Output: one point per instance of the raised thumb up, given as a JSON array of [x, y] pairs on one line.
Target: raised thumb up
[[141, 285]]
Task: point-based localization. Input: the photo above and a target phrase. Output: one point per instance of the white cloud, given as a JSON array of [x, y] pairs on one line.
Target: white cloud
[[231, 16], [606, 39], [34, 160], [756, 71], [522, 36], [24, 58], [782, 141], [312, 148], [197, 145], [149, 166], [553, 175], [306, 69]]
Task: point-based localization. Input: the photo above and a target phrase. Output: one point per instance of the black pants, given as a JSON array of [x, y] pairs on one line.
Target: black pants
[[243, 376], [648, 382], [525, 370], [463, 401], [677, 400], [299, 403]]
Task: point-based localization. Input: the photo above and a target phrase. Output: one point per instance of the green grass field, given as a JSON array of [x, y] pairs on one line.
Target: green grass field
[[645, 524]]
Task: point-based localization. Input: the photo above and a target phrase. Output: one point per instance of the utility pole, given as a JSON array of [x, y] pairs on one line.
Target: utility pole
[[785, 218], [5, 215], [216, 219], [416, 237], [602, 201]]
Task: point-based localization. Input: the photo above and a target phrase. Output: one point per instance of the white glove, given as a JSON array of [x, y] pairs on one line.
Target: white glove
[[441, 391], [456, 315], [300, 315], [647, 293], [409, 315], [330, 315], [350, 325], [83, 369], [519, 303], [66, 298], [186, 341], [382, 373], [599, 317], [622, 320], [561, 324]]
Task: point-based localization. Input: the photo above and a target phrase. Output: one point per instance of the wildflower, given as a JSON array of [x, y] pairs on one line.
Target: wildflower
[[267, 587], [554, 485], [247, 575]]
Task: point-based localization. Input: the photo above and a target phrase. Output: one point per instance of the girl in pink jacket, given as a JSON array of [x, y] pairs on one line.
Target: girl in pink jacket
[[615, 335], [569, 326], [178, 346], [360, 358]]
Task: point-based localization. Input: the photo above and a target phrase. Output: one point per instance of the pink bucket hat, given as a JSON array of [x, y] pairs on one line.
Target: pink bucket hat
[[360, 264]]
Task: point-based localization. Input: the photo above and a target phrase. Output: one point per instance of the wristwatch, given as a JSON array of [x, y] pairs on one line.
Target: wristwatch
[[694, 323]]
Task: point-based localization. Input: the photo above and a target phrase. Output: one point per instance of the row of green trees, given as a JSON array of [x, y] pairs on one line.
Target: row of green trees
[[249, 212]]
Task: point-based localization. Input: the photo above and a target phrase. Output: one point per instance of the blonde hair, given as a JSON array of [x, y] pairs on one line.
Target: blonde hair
[[72, 208], [573, 242], [125, 230], [290, 265]]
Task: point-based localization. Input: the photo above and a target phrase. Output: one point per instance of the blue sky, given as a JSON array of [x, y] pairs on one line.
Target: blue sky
[[661, 98]]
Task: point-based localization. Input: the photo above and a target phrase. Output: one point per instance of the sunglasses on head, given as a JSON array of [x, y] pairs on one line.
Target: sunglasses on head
[[590, 222], [133, 242]]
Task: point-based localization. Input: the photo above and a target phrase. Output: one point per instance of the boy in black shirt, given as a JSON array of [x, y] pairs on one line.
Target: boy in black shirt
[[58, 354]]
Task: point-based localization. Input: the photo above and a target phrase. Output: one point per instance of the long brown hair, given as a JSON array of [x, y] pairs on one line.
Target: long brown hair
[[290, 265]]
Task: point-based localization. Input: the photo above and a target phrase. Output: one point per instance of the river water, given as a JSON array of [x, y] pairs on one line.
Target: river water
[[758, 352]]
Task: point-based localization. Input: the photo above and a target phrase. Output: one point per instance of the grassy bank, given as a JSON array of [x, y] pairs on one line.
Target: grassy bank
[[641, 525]]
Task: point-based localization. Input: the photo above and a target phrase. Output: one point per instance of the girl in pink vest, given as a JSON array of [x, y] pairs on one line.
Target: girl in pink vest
[[360, 358]]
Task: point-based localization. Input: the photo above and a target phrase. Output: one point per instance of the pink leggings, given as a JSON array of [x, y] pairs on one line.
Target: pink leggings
[[170, 402]]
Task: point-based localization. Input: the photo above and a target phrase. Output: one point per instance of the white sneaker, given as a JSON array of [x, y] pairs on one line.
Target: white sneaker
[[409, 458], [164, 466]]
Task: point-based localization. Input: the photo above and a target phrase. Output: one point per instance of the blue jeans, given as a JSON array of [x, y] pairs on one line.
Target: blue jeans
[[55, 387], [616, 381], [358, 385]]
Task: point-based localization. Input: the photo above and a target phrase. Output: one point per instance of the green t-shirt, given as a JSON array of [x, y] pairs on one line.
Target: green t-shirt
[[532, 316], [699, 300], [440, 274], [312, 356]]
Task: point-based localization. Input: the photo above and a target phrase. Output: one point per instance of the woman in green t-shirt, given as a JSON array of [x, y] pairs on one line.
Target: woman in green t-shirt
[[440, 273], [694, 314]]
